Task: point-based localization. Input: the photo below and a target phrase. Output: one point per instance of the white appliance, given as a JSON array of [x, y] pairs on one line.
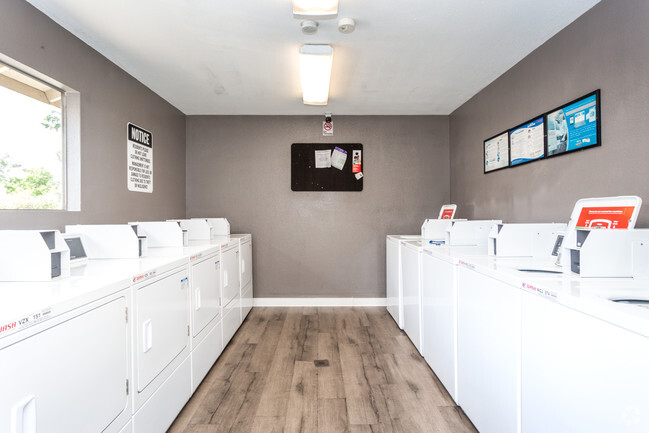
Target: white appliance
[[231, 290], [393, 287], [434, 231], [245, 254], [439, 310], [523, 240], [207, 338], [162, 368], [473, 232], [197, 229], [110, 241], [411, 256], [33, 255], [70, 370], [160, 233], [606, 253], [220, 226], [618, 213]]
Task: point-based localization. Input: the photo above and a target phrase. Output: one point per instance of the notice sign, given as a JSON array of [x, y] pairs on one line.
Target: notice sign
[[356, 161], [139, 148], [328, 128], [605, 217], [447, 214], [526, 143]]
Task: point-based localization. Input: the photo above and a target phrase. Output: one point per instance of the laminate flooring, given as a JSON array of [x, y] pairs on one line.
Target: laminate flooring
[[320, 370]]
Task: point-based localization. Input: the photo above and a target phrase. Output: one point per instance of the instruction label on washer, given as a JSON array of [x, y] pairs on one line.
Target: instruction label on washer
[[139, 150], [25, 321]]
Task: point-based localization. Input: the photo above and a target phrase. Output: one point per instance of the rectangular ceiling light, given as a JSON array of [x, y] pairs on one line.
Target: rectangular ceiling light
[[315, 69], [315, 9]]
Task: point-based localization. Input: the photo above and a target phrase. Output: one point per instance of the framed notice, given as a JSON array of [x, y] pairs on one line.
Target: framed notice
[[139, 151], [496, 152], [574, 126], [527, 142]]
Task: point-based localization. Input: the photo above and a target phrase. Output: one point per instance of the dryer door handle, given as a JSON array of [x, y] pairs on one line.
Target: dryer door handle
[[23, 416], [147, 336]]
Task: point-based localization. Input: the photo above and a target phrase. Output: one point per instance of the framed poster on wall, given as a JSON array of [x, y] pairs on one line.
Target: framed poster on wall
[[574, 126], [496, 152], [527, 142]]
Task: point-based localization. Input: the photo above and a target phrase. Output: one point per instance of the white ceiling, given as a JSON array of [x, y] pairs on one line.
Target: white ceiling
[[241, 57]]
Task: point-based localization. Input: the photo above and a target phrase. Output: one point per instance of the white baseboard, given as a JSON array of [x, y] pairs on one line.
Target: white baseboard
[[319, 302]]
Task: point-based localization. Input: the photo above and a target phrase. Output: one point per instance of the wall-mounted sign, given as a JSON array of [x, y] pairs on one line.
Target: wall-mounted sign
[[574, 126], [496, 152], [526, 142], [139, 150], [328, 128]]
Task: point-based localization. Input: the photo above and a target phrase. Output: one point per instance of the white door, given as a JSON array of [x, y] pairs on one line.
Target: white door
[[439, 320], [206, 288], [68, 376], [411, 278], [231, 282], [161, 325]]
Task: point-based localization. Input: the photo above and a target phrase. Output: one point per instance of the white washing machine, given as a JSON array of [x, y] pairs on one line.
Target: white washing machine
[[393, 287], [411, 269]]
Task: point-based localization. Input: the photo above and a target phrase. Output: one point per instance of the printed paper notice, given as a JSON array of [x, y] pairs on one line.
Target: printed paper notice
[[139, 150], [338, 158], [356, 161], [322, 158], [527, 142], [496, 152]]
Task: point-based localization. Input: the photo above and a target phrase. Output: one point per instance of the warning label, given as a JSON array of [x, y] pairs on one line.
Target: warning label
[[139, 150]]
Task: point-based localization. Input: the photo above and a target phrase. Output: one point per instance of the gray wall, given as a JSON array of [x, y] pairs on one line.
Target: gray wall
[[329, 244], [109, 99], [606, 48]]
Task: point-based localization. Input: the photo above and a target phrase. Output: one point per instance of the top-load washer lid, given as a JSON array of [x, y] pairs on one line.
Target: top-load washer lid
[[415, 245], [399, 238]]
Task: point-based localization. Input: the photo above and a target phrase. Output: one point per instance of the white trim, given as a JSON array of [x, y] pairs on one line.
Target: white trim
[[319, 302]]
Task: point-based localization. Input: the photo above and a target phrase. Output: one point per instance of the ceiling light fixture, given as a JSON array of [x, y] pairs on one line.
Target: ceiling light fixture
[[315, 69], [309, 27], [315, 9]]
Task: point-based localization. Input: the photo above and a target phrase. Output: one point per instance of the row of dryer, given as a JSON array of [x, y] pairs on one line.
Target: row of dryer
[[121, 344]]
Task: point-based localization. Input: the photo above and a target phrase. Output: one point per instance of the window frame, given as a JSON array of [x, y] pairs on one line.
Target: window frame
[[71, 137]]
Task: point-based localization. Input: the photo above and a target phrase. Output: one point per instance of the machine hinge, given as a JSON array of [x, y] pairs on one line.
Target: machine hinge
[[188, 330], [126, 314], [126, 386]]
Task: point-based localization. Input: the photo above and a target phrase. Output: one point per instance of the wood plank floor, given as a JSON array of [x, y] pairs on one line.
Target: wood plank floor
[[266, 379]]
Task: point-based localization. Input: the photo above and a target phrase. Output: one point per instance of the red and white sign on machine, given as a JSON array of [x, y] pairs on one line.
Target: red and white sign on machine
[[447, 212]]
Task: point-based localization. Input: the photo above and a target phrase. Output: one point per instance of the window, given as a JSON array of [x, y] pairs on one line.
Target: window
[[39, 132]]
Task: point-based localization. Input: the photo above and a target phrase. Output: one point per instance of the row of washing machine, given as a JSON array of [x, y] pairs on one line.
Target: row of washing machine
[[525, 320]]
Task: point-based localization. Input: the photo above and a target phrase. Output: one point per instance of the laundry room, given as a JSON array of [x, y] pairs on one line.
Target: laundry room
[[196, 241]]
